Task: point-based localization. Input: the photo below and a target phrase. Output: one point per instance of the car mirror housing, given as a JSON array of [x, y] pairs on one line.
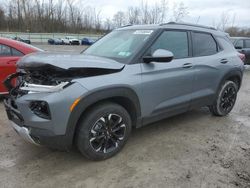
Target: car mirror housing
[[159, 56]]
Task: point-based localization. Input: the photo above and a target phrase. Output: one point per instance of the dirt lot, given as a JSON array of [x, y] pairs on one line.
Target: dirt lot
[[190, 150]]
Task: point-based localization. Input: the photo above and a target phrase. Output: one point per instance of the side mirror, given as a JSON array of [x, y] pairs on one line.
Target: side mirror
[[238, 47], [159, 56]]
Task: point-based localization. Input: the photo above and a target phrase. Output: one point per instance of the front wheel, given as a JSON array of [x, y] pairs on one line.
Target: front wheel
[[103, 131], [225, 100]]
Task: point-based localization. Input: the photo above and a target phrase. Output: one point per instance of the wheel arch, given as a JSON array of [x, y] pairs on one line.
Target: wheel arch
[[234, 75], [123, 96]]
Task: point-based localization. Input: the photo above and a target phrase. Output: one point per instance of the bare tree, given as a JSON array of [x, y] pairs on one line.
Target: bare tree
[[180, 11], [2, 19], [108, 25], [133, 14], [119, 19], [73, 16], [226, 20]]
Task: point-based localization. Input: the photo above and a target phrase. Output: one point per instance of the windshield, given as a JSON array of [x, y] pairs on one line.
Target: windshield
[[119, 45]]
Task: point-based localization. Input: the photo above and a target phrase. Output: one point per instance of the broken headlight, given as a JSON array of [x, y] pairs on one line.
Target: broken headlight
[[36, 88]]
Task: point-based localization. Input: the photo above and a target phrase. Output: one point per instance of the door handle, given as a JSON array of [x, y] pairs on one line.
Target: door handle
[[187, 65], [224, 61]]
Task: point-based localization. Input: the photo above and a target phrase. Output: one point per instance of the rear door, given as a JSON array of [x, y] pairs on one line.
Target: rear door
[[208, 62], [8, 59], [167, 87]]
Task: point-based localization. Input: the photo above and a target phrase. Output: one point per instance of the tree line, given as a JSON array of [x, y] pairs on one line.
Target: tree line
[[73, 16]]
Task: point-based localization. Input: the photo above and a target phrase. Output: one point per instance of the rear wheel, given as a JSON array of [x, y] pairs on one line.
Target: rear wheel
[[225, 100], [103, 131]]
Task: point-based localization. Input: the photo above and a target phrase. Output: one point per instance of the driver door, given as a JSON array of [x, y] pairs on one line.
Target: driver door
[[167, 86]]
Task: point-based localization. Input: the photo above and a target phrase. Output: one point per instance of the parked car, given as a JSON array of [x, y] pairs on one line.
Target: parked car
[[22, 40], [10, 53], [133, 76], [55, 41], [71, 40], [242, 44], [87, 41]]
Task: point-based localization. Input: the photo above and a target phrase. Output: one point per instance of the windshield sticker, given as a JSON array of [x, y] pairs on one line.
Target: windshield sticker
[[125, 54], [143, 32]]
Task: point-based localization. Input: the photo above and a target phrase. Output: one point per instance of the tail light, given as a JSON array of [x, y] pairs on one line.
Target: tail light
[[242, 57]]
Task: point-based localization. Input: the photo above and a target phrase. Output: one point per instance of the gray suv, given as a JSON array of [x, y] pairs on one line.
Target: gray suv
[[131, 77]]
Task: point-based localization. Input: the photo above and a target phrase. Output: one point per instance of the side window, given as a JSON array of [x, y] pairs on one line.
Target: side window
[[225, 43], [239, 44], [15, 52], [5, 50], [247, 43], [203, 44], [174, 41]]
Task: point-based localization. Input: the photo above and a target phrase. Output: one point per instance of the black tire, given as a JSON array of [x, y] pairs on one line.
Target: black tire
[[225, 100], [103, 131]]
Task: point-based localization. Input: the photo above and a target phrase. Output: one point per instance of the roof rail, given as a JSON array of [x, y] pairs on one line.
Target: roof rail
[[188, 24], [126, 25]]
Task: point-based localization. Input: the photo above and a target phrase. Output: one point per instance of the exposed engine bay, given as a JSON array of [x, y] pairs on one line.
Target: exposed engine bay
[[50, 72], [49, 78], [54, 76]]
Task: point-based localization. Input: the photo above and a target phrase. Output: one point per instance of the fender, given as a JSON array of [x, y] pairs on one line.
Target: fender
[[96, 96]]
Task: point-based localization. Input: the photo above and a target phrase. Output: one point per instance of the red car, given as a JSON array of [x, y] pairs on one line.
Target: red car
[[10, 52]]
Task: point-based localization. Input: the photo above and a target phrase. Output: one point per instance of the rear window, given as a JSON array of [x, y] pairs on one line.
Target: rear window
[[16, 52], [225, 43], [239, 44], [203, 44], [247, 43], [5, 50]]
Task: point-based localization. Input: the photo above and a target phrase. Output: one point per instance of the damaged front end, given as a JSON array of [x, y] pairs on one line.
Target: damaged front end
[[26, 82], [43, 90], [49, 78]]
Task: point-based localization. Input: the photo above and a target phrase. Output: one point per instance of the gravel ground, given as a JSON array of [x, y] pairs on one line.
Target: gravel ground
[[191, 150]]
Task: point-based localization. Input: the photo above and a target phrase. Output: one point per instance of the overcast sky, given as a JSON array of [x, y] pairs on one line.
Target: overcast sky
[[204, 11]]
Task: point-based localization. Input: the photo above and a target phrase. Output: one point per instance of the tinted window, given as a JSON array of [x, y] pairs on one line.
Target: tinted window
[[203, 44], [5, 50], [174, 41], [16, 52], [247, 43], [239, 44]]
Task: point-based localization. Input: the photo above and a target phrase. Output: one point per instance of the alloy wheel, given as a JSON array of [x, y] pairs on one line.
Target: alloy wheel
[[107, 133]]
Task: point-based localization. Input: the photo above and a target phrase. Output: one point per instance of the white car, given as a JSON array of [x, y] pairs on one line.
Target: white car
[[71, 40]]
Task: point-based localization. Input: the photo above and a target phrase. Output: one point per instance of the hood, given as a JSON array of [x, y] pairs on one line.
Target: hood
[[66, 61]]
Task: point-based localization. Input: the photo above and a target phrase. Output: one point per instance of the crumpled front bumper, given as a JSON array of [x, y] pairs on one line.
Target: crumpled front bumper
[[15, 120], [37, 130], [23, 132]]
